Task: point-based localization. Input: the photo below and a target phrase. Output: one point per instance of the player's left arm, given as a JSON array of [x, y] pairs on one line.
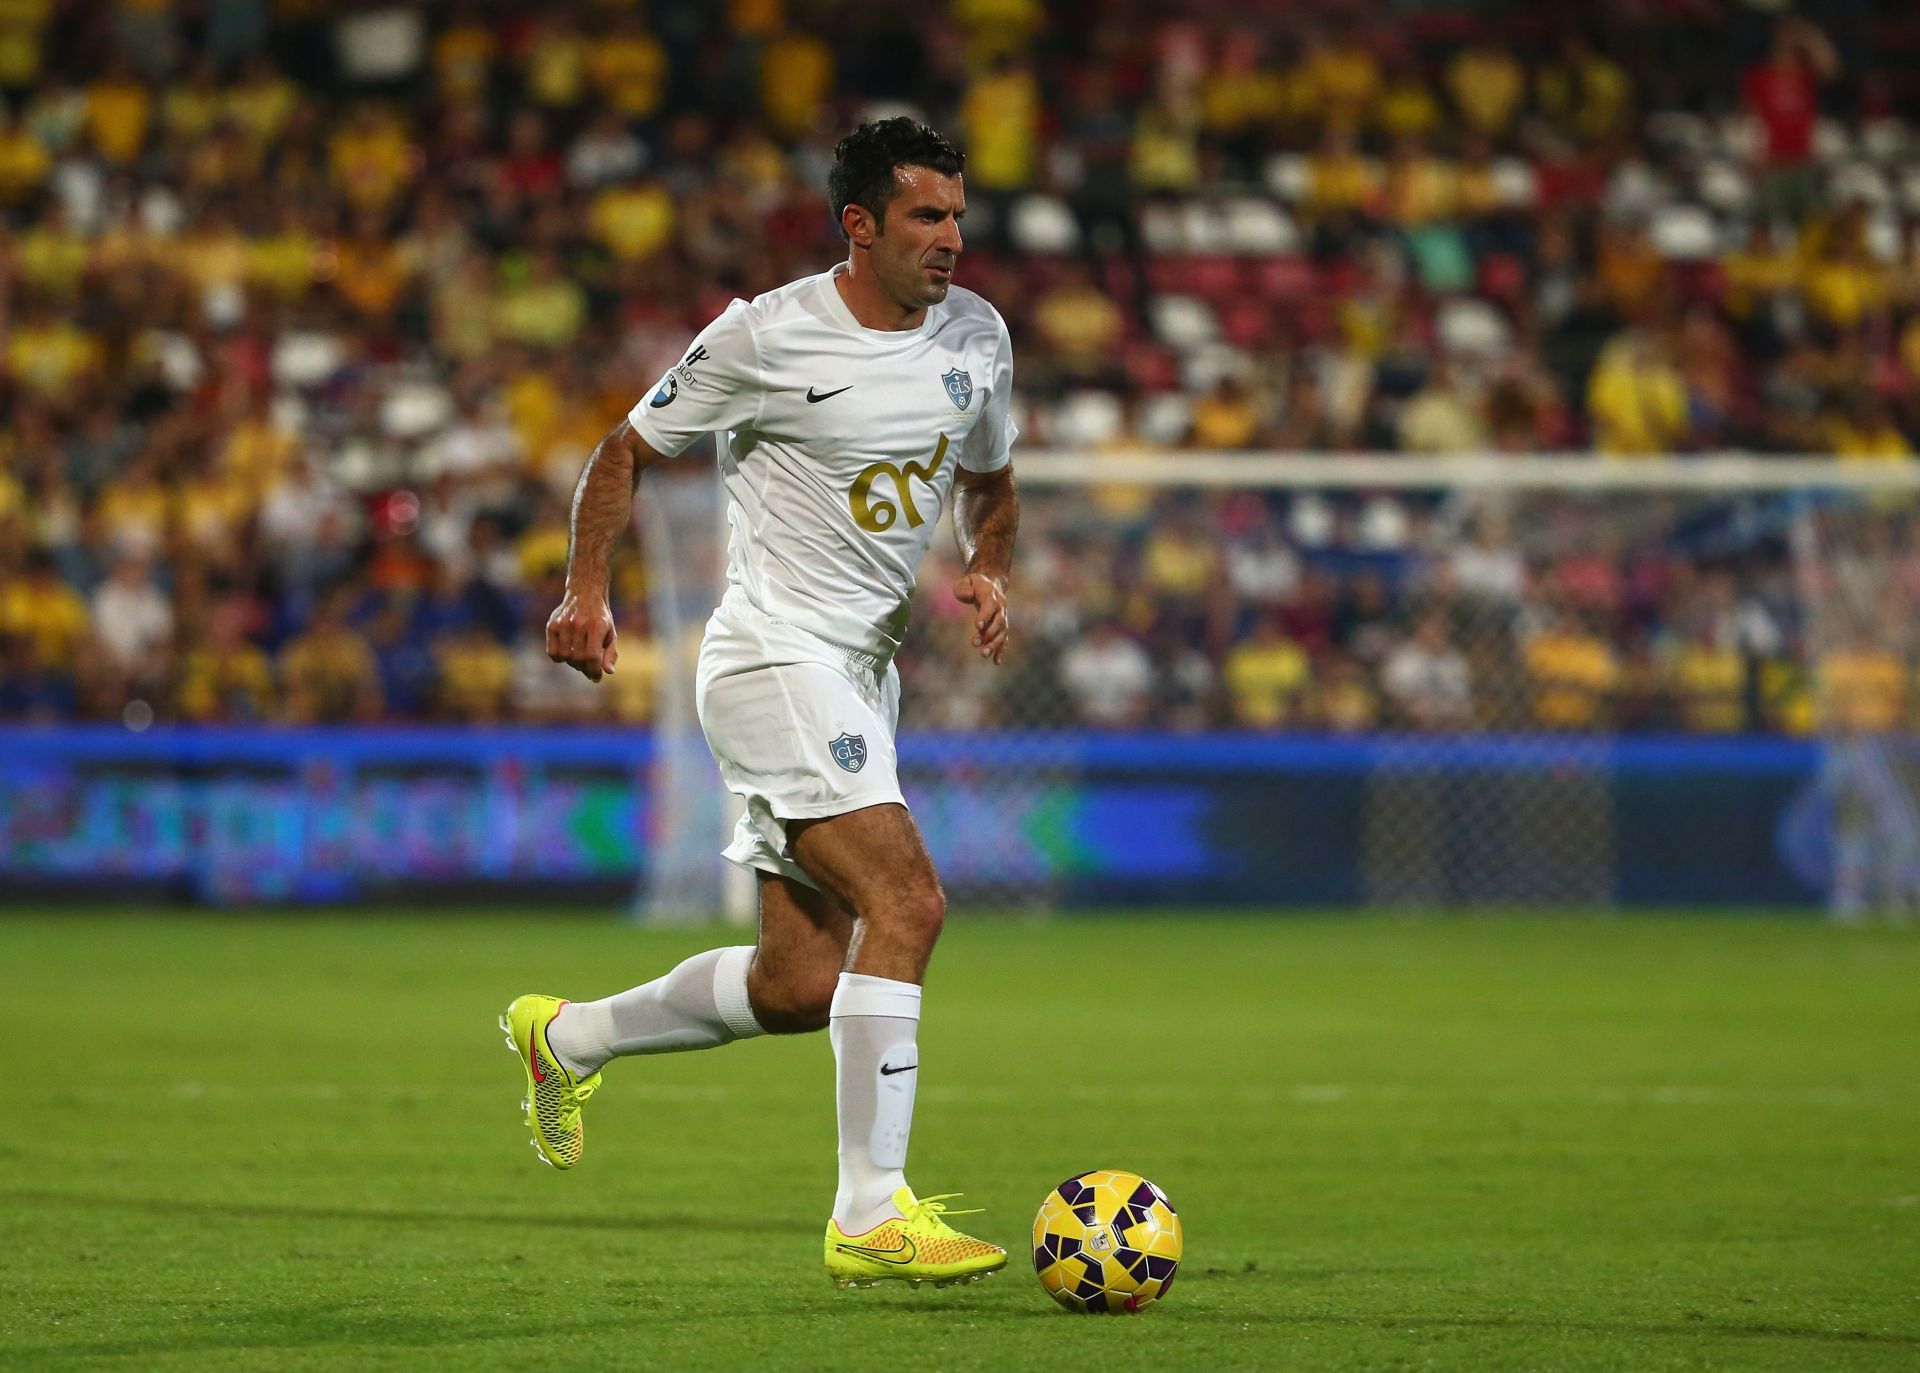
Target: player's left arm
[[986, 515], [986, 507]]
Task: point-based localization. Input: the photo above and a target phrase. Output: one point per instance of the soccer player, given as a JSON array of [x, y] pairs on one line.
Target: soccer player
[[848, 406]]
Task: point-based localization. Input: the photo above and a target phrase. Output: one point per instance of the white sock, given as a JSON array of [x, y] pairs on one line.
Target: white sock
[[701, 1004], [874, 1029]]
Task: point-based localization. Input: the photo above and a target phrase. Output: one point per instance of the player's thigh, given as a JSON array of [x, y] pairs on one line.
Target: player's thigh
[[875, 861], [804, 936]]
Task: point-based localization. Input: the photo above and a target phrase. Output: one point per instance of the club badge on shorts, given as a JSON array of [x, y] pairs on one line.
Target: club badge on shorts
[[959, 388], [850, 751]]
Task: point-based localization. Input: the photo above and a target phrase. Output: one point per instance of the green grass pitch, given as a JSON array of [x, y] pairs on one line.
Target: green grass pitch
[[292, 1142]]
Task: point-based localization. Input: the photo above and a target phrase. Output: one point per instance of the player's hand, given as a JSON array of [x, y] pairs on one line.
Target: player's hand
[[988, 596], [580, 634]]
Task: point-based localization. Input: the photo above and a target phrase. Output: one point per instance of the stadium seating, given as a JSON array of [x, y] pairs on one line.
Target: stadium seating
[[408, 261]]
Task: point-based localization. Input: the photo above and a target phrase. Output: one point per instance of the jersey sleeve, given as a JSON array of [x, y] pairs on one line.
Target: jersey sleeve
[[716, 386], [989, 445]]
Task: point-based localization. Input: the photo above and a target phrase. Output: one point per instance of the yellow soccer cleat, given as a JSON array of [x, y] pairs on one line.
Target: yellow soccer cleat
[[554, 1096], [916, 1247]]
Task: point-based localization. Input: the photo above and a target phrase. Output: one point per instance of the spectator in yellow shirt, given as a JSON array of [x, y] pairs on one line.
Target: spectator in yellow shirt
[[191, 108], [1344, 701], [633, 220], [1841, 282], [1266, 675], [224, 676], [263, 102], [628, 69], [1572, 675], [1487, 85], [371, 159], [796, 81], [475, 677], [1861, 688], [463, 57], [995, 28], [119, 114], [1343, 179], [53, 255], [328, 670], [554, 64], [1419, 187], [282, 261], [1709, 686], [1340, 79], [1758, 273], [542, 547], [37, 605], [1229, 416], [1636, 397], [1001, 114], [1407, 106], [24, 161], [545, 309], [1081, 324], [1242, 94], [1859, 428], [23, 26], [372, 272], [1586, 93], [1166, 148], [48, 354]]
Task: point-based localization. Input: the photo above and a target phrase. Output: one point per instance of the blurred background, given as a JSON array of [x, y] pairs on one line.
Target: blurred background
[[1467, 448]]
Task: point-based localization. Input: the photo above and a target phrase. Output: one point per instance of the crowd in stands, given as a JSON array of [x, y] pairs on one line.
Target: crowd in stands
[[310, 313]]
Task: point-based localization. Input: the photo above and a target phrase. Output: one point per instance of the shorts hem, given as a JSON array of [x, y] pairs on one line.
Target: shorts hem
[[840, 805]]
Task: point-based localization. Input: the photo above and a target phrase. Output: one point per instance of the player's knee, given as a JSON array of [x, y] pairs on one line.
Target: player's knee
[[794, 1004], [922, 915]]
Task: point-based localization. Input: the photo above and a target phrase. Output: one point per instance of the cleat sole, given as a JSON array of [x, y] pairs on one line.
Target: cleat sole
[[957, 1280]]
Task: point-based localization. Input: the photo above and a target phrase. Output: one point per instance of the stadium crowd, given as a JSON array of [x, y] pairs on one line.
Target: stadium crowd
[[309, 314]]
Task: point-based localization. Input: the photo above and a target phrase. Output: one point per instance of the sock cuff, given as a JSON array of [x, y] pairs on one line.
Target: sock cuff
[[730, 991], [859, 994]]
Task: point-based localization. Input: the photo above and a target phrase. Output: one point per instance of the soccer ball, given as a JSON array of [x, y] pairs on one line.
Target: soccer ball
[[1106, 1241]]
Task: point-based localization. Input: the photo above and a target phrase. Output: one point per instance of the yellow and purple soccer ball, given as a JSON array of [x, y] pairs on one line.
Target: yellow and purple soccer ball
[[1106, 1241]]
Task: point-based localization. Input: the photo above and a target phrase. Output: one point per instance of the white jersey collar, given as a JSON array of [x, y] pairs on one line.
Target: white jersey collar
[[844, 317]]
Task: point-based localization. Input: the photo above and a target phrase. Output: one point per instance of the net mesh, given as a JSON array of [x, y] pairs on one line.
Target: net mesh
[[1475, 677], [1481, 652]]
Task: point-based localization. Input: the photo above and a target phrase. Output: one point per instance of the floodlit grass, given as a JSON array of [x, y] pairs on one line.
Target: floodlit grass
[[291, 1142]]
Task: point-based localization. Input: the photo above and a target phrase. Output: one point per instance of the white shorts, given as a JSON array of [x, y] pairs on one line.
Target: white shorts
[[800, 727]]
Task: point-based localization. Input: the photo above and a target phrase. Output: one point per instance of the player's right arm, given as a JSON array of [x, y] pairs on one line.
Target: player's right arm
[[715, 386], [580, 631]]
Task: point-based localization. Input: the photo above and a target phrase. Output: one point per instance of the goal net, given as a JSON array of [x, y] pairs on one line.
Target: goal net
[[1421, 684], [1431, 684]]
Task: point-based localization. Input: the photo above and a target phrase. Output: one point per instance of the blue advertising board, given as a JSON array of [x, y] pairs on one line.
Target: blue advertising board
[[240, 815]]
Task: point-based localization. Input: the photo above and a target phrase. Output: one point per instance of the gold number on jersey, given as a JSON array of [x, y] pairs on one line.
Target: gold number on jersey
[[877, 515]]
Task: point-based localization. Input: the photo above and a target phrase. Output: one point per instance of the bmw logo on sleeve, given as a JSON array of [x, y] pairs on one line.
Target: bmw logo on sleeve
[[959, 388], [668, 393], [850, 751]]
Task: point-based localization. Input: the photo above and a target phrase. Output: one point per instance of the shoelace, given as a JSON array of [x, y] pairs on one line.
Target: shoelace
[[932, 1209], [570, 1112]]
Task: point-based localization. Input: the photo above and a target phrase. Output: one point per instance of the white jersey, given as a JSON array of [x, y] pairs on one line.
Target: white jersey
[[838, 445]]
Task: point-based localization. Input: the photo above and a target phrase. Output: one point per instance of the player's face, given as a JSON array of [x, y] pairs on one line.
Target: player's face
[[914, 257]]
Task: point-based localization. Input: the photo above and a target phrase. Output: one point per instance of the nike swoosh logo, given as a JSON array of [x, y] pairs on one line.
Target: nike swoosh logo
[[813, 399], [903, 1253], [885, 1071], [533, 1057]]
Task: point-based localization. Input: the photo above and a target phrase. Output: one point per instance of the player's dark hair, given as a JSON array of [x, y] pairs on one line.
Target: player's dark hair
[[865, 160]]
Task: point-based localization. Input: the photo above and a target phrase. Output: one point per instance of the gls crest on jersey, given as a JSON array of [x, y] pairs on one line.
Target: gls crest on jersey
[[959, 388], [850, 751]]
